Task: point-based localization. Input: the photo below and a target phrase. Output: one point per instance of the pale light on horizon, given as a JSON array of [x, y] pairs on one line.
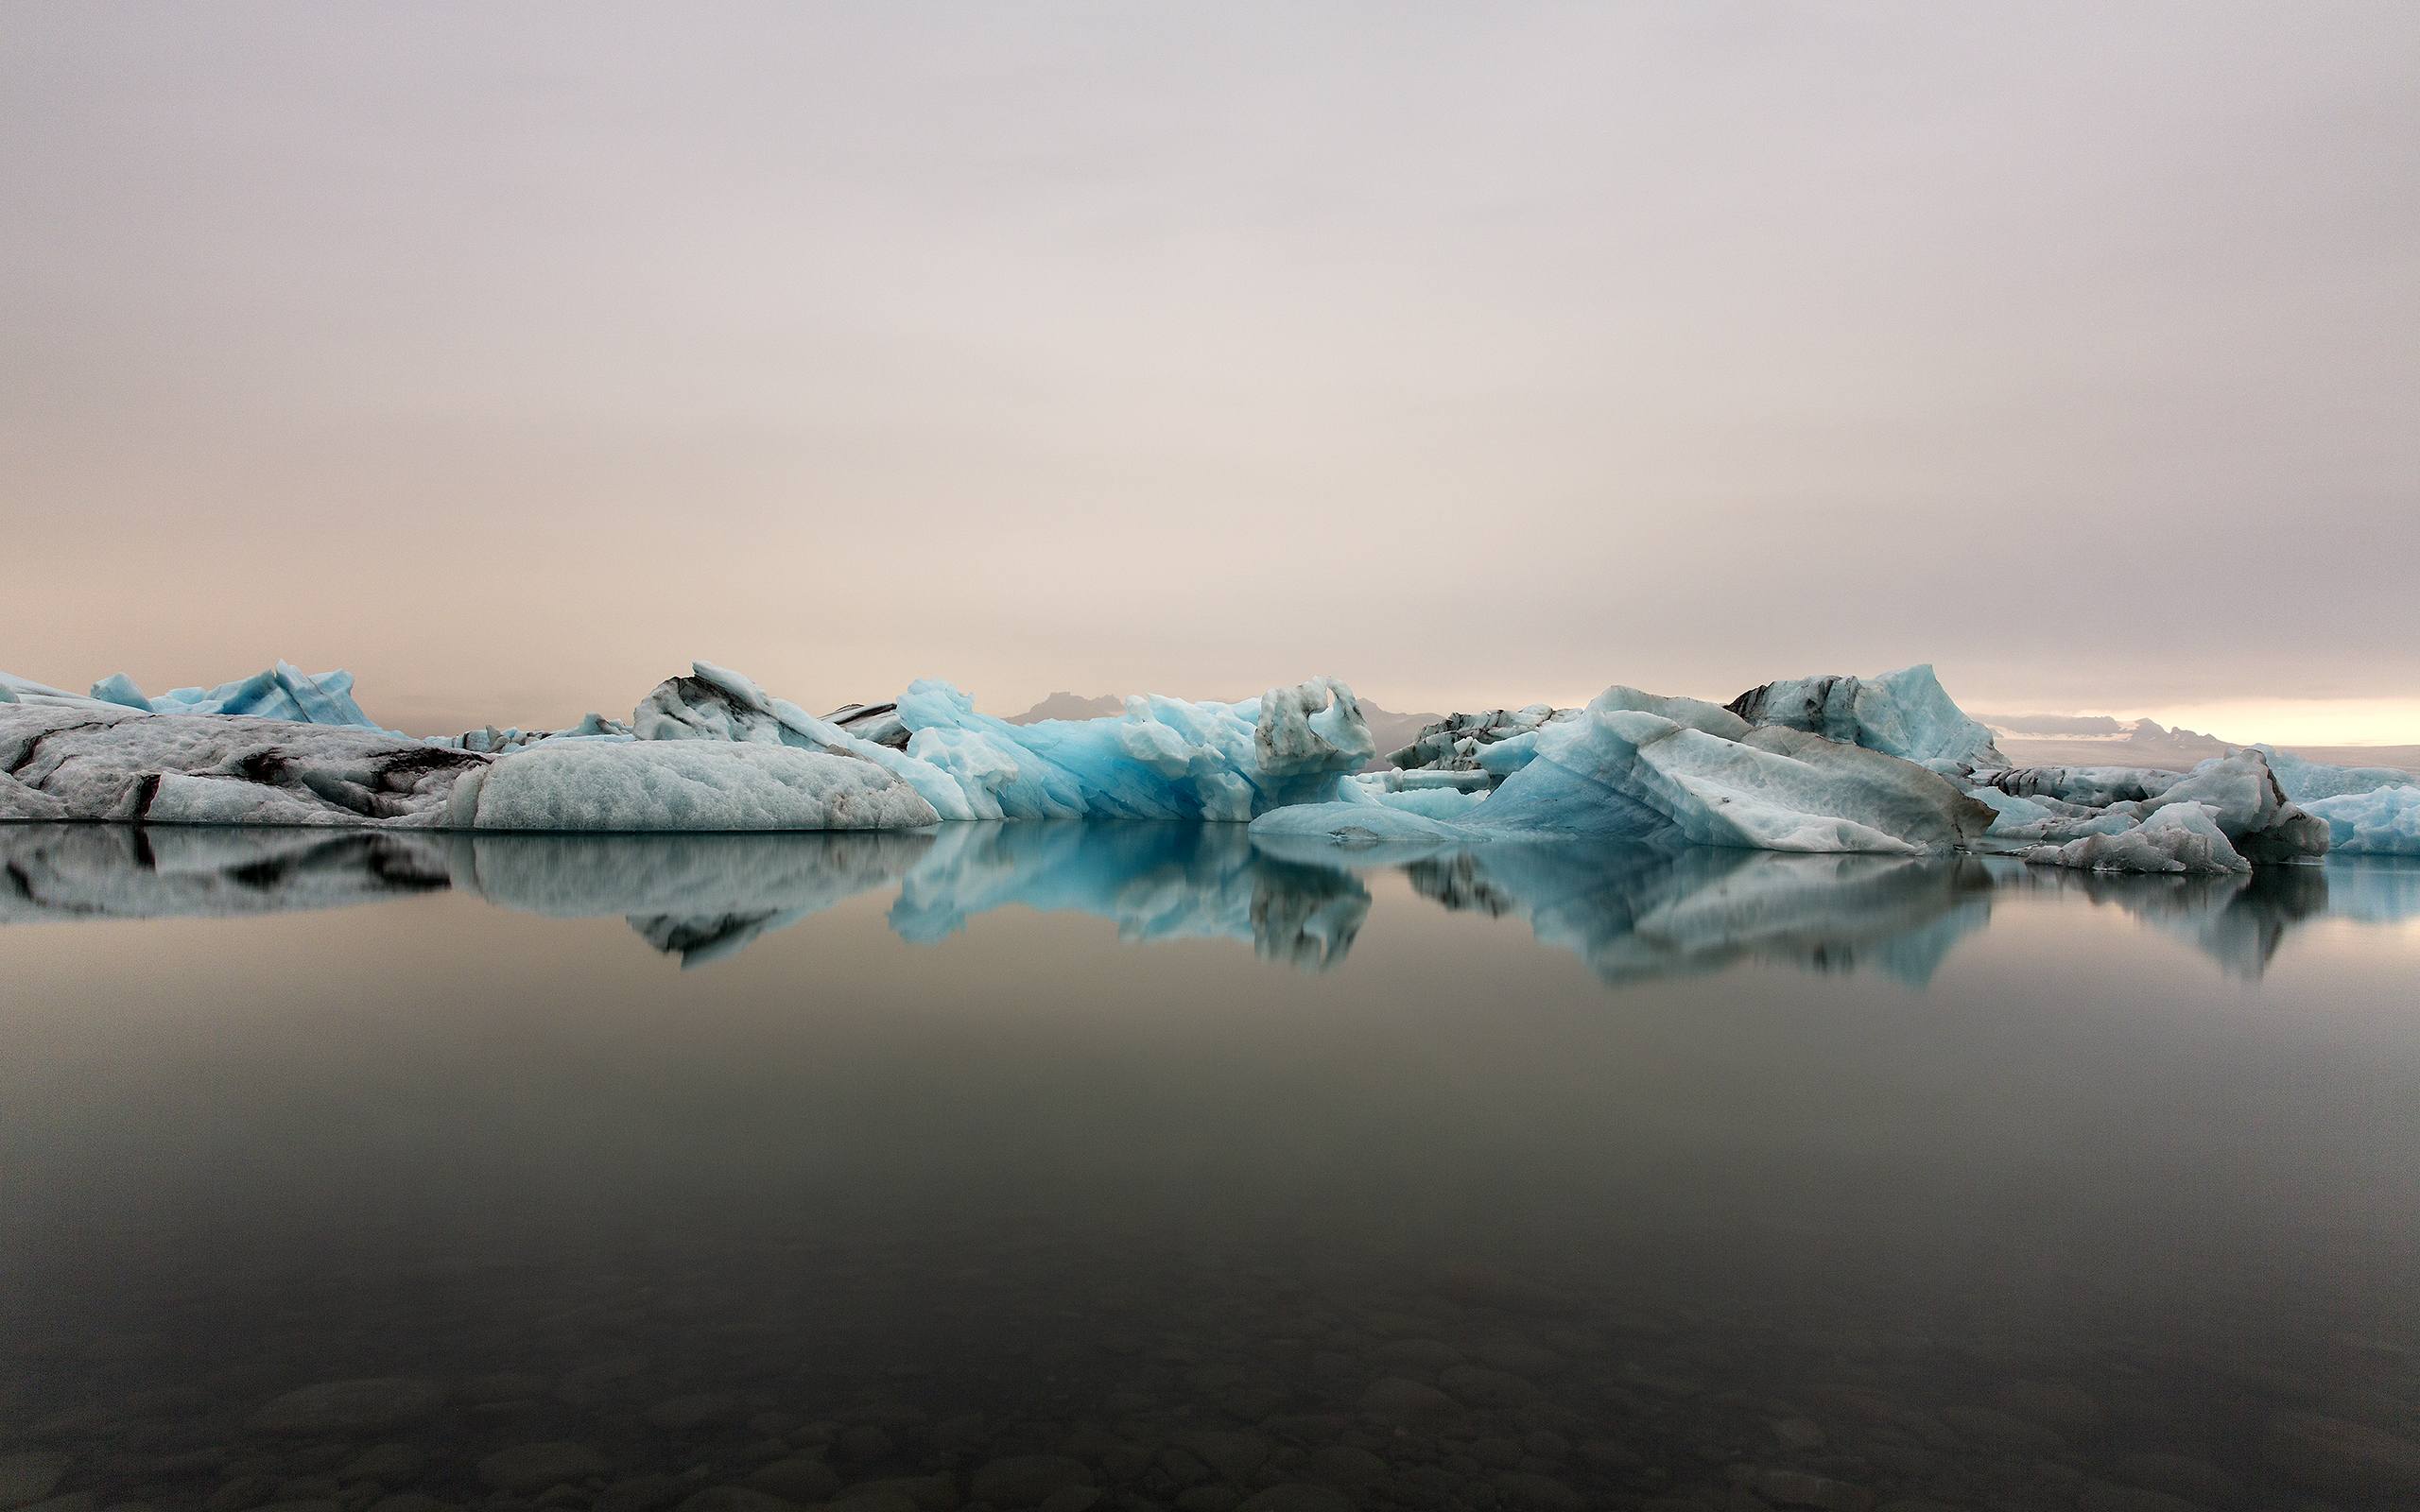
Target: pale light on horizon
[[2295, 721]]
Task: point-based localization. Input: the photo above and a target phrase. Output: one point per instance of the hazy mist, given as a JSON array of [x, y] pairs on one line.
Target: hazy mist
[[511, 356]]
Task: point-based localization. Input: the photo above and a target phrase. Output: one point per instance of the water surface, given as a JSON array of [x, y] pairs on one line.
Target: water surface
[[1525, 1177]]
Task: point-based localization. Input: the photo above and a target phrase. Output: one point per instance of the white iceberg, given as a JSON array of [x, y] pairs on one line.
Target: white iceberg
[[715, 704], [2102, 818], [620, 785], [2180, 837], [99, 760]]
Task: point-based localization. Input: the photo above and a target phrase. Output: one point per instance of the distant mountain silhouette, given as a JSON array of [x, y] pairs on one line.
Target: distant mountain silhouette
[[2097, 740], [1392, 731], [1071, 706]]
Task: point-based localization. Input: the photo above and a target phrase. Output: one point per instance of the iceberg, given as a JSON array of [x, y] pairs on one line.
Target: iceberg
[[715, 704], [2181, 838], [26, 691], [1162, 759], [99, 762], [1888, 765], [284, 691], [1656, 763], [1458, 741], [1906, 714], [1639, 767], [94, 760], [707, 751], [2135, 819], [2306, 781], [2384, 822], [614, 785], [490, 740]]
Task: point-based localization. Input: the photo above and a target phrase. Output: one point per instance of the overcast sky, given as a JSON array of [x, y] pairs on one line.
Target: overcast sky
[[514, 355]]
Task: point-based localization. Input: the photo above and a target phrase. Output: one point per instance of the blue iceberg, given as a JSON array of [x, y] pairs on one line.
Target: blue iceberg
[[283, 692], [1906, 714], [2384, 822], [1636, 767]]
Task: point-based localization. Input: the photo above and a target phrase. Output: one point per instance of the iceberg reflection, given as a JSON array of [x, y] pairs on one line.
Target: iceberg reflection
[[67, 871], [700, 897], [1632, 913], [1639, 913], [1155, 882]]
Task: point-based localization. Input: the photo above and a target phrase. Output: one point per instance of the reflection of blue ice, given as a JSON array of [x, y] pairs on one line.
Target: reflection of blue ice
[[1629, 912], [2238, 920], [1638, 913], [2374, 891], [1156, 881]]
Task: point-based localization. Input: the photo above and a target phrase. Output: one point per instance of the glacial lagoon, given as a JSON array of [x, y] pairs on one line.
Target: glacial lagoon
[[1139, 1167]]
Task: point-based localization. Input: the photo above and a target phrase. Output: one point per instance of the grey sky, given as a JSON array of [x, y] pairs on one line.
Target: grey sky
[[512, 355]]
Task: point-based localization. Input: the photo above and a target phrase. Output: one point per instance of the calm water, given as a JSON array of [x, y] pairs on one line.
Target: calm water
[[1128, 1167]]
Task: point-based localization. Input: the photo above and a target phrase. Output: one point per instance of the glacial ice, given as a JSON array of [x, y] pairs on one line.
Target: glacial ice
[[617, 785], [18, 690], [1637, 766], [1164, 758], [91, 760], [710, 750], [2180, 837], [102, 761], [1457, 742], [2102, 818], [1696, 767], [283, 692], [1832, 764], [2306, 780], [1885, 765], [2384, 822], [715, 704], [1906, 714]]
